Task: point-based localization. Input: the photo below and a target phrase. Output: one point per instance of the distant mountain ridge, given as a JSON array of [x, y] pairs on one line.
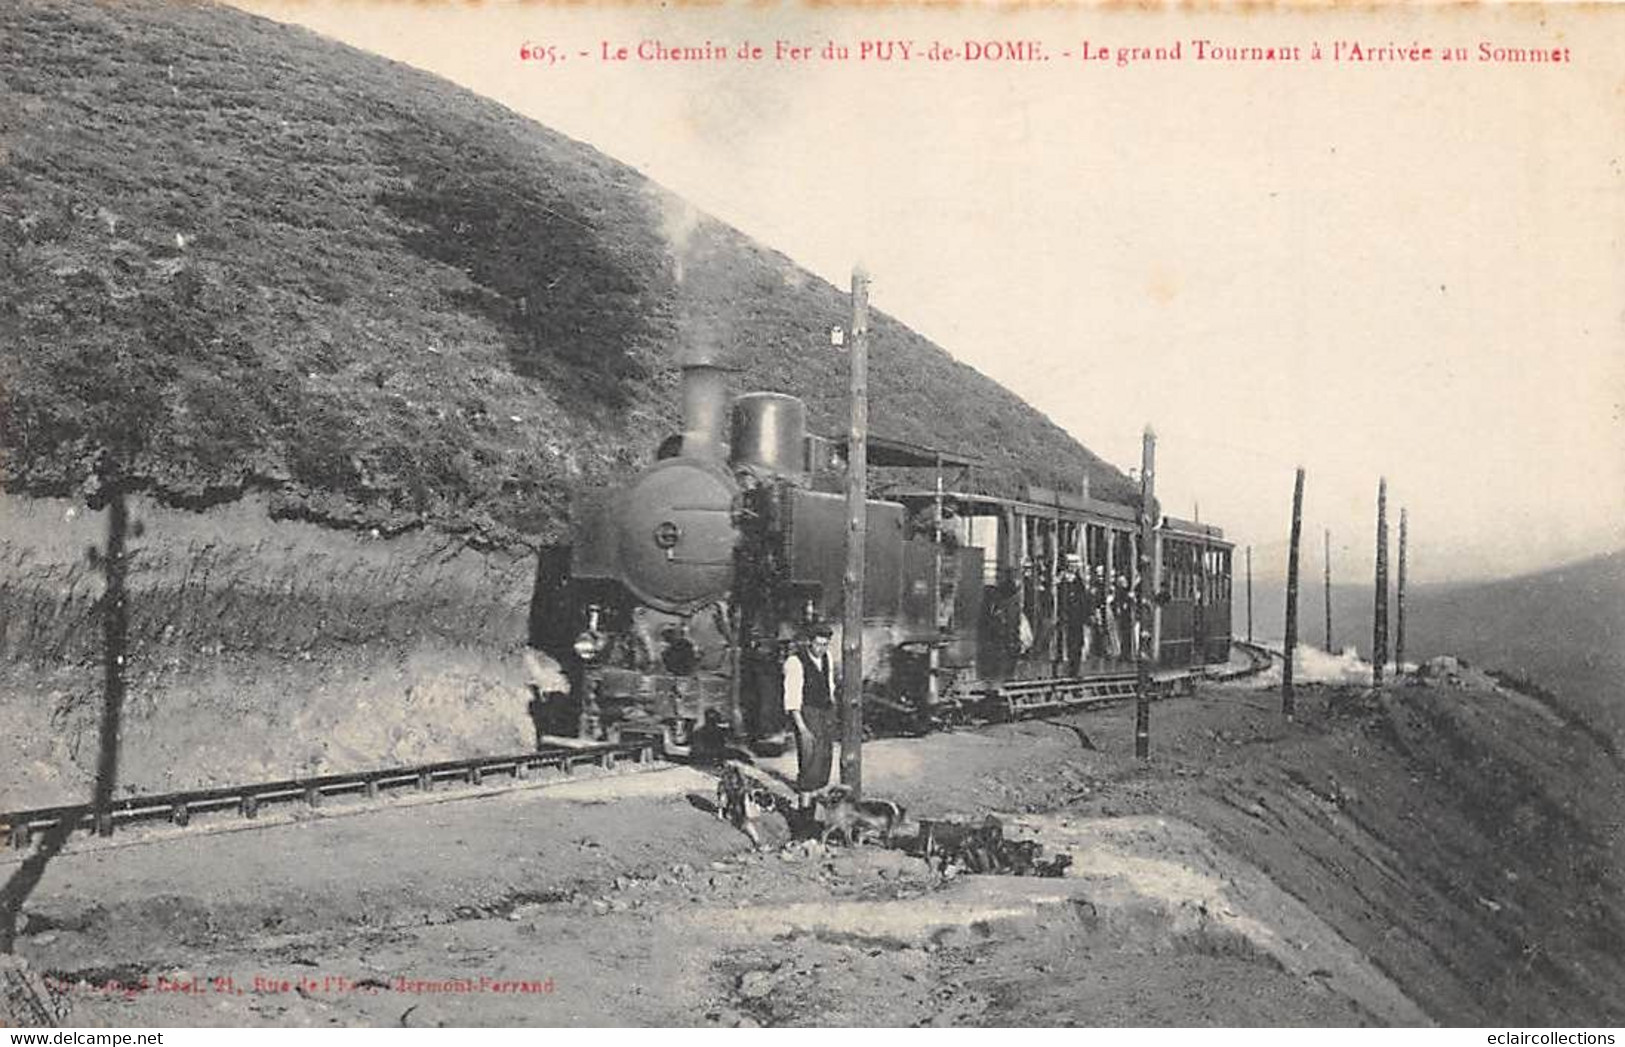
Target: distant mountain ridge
[[241, 257], [1563, 627]]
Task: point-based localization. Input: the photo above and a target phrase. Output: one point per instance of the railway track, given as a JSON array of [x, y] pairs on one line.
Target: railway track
[[1018, 698], [1012, 700], [1262, 658], [20, 827]]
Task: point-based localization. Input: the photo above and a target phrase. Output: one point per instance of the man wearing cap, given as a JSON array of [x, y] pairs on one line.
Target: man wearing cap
[[809, 701], [1072, 611]]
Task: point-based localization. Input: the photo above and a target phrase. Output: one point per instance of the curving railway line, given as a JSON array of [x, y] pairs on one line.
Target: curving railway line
[[177, 808]]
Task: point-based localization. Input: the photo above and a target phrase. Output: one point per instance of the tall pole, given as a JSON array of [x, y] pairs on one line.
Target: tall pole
[[1329, 591], [1199, 611], [1288, 696], [1399, 602], [1379, 619], [20, 882], [1144, 595], [857, 526], [1249, 594], [115, 640], [934, 655]]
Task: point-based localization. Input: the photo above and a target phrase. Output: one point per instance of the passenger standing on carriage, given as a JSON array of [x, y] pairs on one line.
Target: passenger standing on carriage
[[1072, 610], [809, 701], [1125, 616], [1105, 644]]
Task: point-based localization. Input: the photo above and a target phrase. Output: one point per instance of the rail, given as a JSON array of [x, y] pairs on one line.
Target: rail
[[19, 827], [1013, 698], [1262, 658]]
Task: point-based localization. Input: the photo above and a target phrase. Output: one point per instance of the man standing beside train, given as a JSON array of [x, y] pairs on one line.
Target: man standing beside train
[[809, 700]]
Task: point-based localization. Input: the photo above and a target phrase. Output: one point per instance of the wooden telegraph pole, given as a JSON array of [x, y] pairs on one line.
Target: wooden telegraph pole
[[1288, 696], [115, 645], [857, 526], [1399, 603], [1379, 619], [1144, 595], [1329, 592], [1249, 594]]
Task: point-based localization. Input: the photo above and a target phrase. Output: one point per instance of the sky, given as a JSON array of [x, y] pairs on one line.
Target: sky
[[1387, 267]]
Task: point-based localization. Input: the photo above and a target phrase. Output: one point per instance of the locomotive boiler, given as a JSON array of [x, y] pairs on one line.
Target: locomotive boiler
[[672, 607]]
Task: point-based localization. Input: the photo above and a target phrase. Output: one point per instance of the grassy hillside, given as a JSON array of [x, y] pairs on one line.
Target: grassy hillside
[[237, 257]]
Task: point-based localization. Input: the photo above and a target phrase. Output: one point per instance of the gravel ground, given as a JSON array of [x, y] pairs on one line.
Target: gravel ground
[[1254, 872]]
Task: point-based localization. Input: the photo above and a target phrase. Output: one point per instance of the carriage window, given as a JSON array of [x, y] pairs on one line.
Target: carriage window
[[1179, 571], [983, 532], [1123, 555]]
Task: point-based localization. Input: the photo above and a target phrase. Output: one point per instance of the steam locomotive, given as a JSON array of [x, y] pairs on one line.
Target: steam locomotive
[[673, 606]]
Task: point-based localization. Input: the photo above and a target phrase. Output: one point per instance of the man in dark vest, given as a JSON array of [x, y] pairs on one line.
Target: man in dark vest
[[1073, 609], [809, 702]]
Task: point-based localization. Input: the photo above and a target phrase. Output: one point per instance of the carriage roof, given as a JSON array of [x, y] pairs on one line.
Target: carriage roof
[[1048, 503], [1062, 505]]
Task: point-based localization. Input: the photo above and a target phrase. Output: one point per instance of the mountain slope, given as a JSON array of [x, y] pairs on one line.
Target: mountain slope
[[235, 256], [1563, 628]]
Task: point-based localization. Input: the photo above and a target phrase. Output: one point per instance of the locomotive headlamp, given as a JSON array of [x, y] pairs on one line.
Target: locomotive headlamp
[[589, 645]]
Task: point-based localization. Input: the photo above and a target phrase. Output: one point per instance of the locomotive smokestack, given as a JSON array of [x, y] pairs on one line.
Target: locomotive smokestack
[[705, 404]]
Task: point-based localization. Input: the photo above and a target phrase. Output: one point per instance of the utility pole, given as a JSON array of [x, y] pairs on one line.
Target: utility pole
[[114, 562], [934, 655], [1249, 594], [1379, 618], [1144, 596], [857, 526], [1329, 592], [1288, 696], [1399, 603]]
